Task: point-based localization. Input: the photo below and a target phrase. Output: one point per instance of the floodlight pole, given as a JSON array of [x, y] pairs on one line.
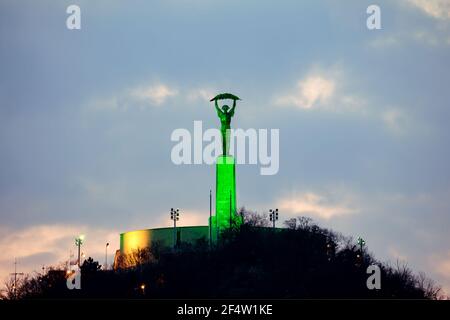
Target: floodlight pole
[[15, 277], [210, 218], [361, 243], [174, 215], [273, 216], [78, 243], [79, 249]]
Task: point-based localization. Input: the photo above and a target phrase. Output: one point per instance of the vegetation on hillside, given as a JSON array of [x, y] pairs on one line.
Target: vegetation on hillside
[[301, 260]]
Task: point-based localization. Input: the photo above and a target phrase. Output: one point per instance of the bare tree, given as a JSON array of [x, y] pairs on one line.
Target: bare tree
[[254, 219], [291, 223], [304, 223], [12, 288], [428, 286], [8, 291]]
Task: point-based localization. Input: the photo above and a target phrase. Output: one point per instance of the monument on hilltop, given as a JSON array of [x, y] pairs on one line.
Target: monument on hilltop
[[225, 215]]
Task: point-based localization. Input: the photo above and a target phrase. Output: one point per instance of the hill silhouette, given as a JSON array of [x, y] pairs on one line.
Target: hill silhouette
[[301, 260]]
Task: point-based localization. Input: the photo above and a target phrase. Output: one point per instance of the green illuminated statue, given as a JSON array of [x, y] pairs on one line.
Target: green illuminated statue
[[225, 216], [225, 115]]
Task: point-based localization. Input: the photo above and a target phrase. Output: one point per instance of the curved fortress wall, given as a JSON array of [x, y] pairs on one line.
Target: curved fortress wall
[[140, 239]]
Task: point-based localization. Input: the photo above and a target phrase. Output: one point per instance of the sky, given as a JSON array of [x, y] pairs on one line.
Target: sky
[[86, 118]]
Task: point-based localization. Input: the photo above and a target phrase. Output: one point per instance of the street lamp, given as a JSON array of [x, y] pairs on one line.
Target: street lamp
[[78, 243], [361, 243], [273, 216], [210, 218], [175, 216]]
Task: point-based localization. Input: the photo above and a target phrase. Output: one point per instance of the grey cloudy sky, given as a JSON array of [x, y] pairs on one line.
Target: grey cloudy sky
[[86, 117]]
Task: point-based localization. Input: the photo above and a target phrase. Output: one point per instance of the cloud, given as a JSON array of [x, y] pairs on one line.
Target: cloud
[[434, 34], [142, 96], [201, 94], [103, 104], [428, 38], [395, 253], [319, 90], [314, 205], [325, 90], [434, 38], [50, 245], [438, 9], [106, 192], [329, 91], [313, 91], [396, 121], [443, 266], [156, 94], [385, 41], [353, 103]]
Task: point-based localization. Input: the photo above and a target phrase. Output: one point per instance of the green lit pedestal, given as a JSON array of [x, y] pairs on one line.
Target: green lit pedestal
[[225, 195]]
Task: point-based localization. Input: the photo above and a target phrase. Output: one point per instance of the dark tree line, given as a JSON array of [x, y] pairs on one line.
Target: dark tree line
[[301, 260]]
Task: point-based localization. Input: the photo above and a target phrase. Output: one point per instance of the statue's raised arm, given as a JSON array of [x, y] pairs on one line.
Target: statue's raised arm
[[232, 108], [219, 111]]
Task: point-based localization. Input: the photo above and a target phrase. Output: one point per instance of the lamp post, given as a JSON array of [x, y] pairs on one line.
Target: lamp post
[[273, 216], [78, 243], [361, 243], [15, 278], [106, 255], [210, 218], [175, 216]]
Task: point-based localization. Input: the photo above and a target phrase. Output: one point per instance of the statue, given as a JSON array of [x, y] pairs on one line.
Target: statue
[[225, 216], [225, 114]]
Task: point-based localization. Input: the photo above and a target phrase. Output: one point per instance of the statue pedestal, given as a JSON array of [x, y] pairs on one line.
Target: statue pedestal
[[225, 195]]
